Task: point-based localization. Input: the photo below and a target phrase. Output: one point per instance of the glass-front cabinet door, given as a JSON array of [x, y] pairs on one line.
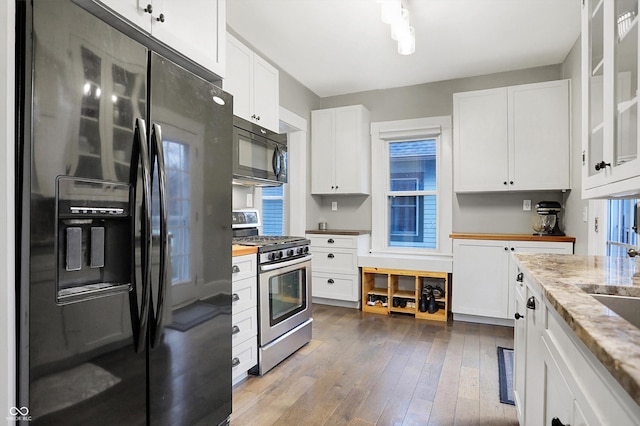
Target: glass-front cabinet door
[[610, 90]]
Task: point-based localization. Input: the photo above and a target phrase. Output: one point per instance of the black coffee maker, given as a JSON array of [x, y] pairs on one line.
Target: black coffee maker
[[547, 221]]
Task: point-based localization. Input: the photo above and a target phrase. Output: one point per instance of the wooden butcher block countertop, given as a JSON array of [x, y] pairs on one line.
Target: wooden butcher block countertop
[[513, 237], [238, 250]]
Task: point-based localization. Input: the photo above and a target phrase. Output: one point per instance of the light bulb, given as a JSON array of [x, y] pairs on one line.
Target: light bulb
[[407, 45]]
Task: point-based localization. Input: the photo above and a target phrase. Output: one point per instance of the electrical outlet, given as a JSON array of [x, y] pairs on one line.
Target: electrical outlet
[[526, 205], [334, 206], [249, 200]]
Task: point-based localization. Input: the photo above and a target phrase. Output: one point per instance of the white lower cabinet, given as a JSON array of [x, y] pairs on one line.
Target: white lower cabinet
[[557, 380], [244, 320], [520, 342], [335, 274], [482, 273]]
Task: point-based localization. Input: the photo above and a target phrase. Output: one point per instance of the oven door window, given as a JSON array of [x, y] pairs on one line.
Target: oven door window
[[287, 295]]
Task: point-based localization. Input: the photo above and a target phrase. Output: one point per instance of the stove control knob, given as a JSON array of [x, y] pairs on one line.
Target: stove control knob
[[299, 250], [306, 249], [290, 252], [272, 256], [280, 255]]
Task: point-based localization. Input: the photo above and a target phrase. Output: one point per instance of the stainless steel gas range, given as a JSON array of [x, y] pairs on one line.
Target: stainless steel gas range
[[284, 290]]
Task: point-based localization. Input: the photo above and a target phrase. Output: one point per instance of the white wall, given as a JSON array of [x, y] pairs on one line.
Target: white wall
[[7, 219], [574, 205]]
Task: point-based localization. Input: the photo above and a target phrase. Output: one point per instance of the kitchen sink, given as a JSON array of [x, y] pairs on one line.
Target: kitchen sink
[[625, 306]]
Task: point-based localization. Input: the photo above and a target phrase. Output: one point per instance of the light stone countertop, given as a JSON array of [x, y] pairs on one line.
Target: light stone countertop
[[566, 280]]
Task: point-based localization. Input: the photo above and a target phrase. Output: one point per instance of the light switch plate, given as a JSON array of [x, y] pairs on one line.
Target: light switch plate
[[334, 205], [526, 205], [249, 200]]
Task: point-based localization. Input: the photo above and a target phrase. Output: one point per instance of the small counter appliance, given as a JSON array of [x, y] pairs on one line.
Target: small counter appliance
[[547, 221]]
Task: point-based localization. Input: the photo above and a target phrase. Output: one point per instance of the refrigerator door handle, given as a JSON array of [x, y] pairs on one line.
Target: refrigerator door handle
[[157, 155], [141, 154]]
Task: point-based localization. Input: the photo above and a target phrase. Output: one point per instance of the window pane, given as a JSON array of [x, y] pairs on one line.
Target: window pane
[[273, 210], [412, 165], [412, 221]]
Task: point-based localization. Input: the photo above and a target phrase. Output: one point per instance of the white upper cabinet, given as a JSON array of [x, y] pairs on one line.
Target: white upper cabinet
[[340, 151], [254, 84], [610, 143], [502, 138], [195, 28]]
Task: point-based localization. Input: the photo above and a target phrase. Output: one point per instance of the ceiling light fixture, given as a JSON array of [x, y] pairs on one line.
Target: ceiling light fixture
[[397, 16]]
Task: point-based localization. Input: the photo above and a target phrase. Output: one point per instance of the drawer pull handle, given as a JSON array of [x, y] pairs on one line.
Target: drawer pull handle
[[235, 362], [531, 303], [520, 277], [235, 269], [518, 316], [330, 241], [330, 256], [330, 281], [235, 297], [235, 330]]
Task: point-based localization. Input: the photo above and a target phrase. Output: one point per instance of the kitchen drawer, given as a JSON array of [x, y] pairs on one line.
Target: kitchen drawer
[[245, 294], [330, 241], [244, 357], [335, 260], [244, 325], [336, 286], [244, 266]]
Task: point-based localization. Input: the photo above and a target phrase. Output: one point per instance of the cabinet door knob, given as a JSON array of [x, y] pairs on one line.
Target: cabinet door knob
[[510, 182], [149, 8], [235, 330], [632, 252], [330, 281], [160, 18], [506, 249], [518, 316], [531, 303], [504, 183], [330, 241], [520, 277], [601, 165], [330, 256], [512, 249]]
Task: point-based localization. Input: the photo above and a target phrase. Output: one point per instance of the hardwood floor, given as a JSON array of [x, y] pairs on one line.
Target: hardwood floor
[[369, 369]]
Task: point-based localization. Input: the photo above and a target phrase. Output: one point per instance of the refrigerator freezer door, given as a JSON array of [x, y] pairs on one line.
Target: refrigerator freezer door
[[88, 87], [190, 363]]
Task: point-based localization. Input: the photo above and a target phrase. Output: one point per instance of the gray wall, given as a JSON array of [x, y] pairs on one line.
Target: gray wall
[[495, 213]]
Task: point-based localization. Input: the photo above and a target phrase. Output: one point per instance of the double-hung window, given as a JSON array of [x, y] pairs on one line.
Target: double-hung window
[[412, 194], [412, 186]]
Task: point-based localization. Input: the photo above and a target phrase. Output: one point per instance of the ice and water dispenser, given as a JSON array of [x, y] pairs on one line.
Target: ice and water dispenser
[[93, 239]]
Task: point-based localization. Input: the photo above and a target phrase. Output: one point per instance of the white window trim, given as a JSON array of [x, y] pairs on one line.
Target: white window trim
[[402, 130]]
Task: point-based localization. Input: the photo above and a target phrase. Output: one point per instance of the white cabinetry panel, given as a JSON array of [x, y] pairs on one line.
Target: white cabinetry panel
[[254, 84], [336, 277], [501, 136], [195, 28]]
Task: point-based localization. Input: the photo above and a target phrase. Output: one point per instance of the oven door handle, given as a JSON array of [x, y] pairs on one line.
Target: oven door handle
[[273, 266]]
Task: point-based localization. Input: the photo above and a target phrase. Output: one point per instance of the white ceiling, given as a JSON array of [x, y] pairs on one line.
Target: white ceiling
[[336, 47]]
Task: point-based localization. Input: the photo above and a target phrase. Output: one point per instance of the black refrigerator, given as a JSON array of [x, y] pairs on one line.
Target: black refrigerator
[[124, 189]]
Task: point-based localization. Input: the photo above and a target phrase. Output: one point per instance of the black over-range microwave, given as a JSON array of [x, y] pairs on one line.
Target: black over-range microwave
[[259, 155]]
